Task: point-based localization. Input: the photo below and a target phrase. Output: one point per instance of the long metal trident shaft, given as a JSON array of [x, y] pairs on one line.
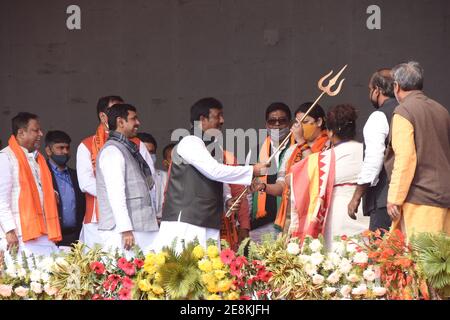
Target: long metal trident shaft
[[325, 90]]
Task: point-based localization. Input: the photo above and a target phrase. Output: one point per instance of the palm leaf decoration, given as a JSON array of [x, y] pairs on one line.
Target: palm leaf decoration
[[180, 276], [433, 252]]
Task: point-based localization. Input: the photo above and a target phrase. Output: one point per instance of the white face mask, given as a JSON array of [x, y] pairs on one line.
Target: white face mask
[[277, 135], [153, 158]]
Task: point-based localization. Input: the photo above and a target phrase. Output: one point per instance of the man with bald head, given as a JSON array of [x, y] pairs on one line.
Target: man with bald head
[[372, 181]]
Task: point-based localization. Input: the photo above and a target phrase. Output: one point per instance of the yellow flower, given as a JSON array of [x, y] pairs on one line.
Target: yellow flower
[[157, 289], [158, 277], [224, 285], [150, 258], [198, 252], [212, 287], [150, 268], [208, 278], [217, 263], [144, 285], [160, 259], [205, 265], [233, 296], [214, 297], [219, 274], [212, 251]]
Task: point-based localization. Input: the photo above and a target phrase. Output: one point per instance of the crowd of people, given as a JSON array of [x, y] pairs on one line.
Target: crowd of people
[[324, 182]]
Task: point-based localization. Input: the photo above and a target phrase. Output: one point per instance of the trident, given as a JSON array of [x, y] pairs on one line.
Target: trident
[[324, 89]]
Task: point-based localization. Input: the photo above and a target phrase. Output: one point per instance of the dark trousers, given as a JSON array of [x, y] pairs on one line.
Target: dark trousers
[[69, 236], [379, 219]]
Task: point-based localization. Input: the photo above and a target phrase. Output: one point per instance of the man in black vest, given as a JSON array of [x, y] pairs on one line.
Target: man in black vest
[[193, 204], [372, 181], [70, 199]]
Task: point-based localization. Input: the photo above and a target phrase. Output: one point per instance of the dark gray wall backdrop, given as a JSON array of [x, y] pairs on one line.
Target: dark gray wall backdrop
[[163, 55]]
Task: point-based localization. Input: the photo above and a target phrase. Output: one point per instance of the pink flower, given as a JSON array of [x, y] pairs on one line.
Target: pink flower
[[111, 282], [245, 298], [139, 263], [227, 256], [241, 260], [97, 297], [21, 291], [97, 267], [121, 262], [235, 270], [127, 283], [264, 275], [124, 294], [129, 269], [5, 290]]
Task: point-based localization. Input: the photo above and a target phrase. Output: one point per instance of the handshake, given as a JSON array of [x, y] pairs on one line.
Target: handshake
[[261, 169]]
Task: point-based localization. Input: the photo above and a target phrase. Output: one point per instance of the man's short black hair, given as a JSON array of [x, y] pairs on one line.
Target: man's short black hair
[[119, 110], [383, 79], [21, 120], [147, 138], [275, 106], [202, 107], [103, 102], [168, 148], [56, 136]]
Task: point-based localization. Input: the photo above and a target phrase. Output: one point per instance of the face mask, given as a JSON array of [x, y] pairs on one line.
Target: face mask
[[278, 134], [153, 158], [308, 130], [60, 160]]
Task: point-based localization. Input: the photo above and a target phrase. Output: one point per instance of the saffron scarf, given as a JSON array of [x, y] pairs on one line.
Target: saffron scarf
[[313, 181], [320, 144], [259, 198], [36, 221]]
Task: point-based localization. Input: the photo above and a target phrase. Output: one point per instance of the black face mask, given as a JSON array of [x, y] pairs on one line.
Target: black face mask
[[60, 160]]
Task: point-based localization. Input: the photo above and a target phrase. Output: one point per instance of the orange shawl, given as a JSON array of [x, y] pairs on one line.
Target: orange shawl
[[94, 144], [31, 212], [318, 146]]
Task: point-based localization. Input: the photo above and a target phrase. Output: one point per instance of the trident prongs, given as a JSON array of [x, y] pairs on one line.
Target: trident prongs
[[331, 83]]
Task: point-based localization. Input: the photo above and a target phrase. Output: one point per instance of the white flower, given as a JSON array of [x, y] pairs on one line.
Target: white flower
[[334, 277], [334, 258], [360, 257], [351, 247], [35, 275], [49, 290], [360, 290], [328, 265], [45, 277], [345, 291], [369, 275], [318, 279], [303, 258], [379, 291], [329, 290], [345, 266], [11, 271], [21, 291], [293, 248], [21, 273], [46, 264], [36, 287], [338, 247], [315, 245], [353, 278], [316, 258], [310, 269]]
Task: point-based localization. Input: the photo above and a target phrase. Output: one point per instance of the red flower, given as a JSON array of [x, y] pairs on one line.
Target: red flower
[[127, 283], [97, 297], [256, 263], [241, 260], [235, 270], [344, 237], [139, 263], [121, 262], [245, 298], [264, 275], [97, 267], [124, 294], [111, 282], [227, 256]]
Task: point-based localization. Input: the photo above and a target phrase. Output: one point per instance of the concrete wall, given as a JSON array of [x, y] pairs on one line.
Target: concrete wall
[[163, 55]]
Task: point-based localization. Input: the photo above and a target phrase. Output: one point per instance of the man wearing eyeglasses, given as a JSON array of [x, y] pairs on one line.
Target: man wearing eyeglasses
[[265, 206]]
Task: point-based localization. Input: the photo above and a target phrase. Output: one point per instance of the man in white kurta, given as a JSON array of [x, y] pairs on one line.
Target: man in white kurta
[[86, 172]]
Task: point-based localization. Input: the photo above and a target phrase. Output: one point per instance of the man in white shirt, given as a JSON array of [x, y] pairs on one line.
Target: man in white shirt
[[124, 181], [87, 153], [28, 212], [193, 204], [372, 181]]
